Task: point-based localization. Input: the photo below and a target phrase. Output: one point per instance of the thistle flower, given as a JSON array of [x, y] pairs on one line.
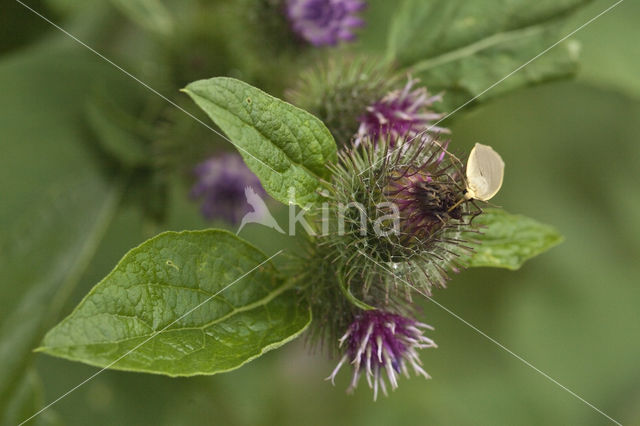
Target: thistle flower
[[401, 113], [379, 343], [413, 218], [428, 195], [221, 182], [325, 22], [338, 91]]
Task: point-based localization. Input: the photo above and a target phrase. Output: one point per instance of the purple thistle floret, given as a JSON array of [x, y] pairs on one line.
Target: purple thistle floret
[[325, 22], [403, 113], [429, 195], [221, 182], [378, 342]]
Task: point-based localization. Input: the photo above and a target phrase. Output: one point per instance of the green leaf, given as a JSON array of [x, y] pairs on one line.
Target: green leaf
[[508, 240], [463, 47], [286, 147], [66, 251], [57, 202], [150, 14], [429, 28], [182, 304], [617, 28], [466, 75]]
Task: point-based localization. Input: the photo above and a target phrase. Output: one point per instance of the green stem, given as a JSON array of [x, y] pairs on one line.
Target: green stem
[[350, 297]]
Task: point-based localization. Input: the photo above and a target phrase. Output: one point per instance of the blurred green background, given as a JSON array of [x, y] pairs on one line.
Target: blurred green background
[[572, 150]]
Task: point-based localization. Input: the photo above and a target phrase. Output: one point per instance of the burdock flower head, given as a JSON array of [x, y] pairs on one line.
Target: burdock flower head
[[325, 22], [403, 113], [381, 344], [429, 195], [339, 90], [221, 182], [412, 219]]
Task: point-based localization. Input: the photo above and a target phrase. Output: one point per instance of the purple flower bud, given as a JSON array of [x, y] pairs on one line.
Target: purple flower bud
[[401, 113], [221, 183], [379, 343], [325, 22]]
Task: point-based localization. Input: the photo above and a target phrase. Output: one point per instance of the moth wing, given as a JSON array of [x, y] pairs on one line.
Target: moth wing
[[485, 172]]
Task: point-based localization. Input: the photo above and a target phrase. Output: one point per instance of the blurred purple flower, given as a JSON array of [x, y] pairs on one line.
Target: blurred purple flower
[[325, 22], [377, 342], [402, 113], [221, 182]]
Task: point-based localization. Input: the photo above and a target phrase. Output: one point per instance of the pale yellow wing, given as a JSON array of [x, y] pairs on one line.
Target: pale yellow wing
[[485, 171]]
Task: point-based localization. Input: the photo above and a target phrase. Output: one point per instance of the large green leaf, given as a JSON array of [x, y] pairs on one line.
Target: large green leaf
[[285, 146], [57, 202], [65, 251], [464, 47], [486, 70], [507, 240], [611, 53], [181, 304]]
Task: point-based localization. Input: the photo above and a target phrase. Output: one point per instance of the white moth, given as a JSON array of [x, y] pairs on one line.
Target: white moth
[[485, 171]]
